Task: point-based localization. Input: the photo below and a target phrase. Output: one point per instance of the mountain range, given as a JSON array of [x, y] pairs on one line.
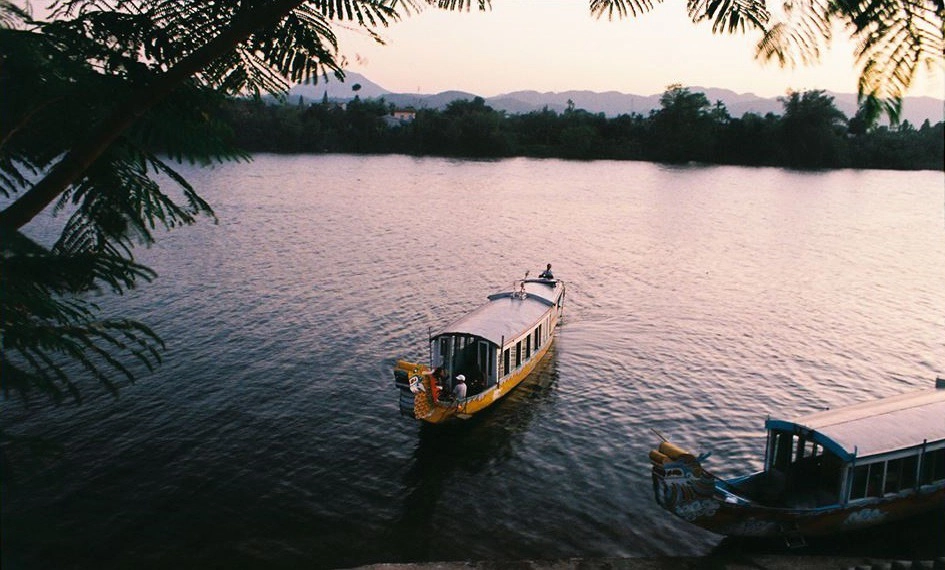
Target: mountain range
[[611, 103]]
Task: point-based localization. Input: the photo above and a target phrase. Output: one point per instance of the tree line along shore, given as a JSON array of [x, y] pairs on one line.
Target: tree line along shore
[[811, 133]]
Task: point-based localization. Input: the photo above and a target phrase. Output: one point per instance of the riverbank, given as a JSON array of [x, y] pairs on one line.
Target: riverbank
[[682, 563]]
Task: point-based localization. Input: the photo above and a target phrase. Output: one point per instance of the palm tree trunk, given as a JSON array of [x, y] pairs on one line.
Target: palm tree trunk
[[82, 156]]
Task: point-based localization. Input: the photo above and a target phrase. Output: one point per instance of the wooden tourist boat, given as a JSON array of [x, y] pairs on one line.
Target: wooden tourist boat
[[494, 347], [824, 473]]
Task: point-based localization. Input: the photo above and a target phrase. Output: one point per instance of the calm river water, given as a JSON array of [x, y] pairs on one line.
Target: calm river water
[[700, 300]]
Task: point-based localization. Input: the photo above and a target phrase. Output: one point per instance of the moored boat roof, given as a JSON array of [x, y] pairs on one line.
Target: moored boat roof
[[876, 427], [507, 315]]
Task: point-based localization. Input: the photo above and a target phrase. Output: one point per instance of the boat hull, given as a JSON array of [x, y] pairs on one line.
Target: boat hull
[[718, 516], [684, 488], [423, 407]]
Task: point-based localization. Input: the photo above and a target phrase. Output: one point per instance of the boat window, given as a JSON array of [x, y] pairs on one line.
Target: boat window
[[487, 362], [518, 354], [858, 487], [506, 362], [933, 466], [910, 466], [812, 449], [528, 347], [830, 478], [538, 336], [446, 354], [492, 371], [781, 450], [800, 447], [893, 476], [875, 486]]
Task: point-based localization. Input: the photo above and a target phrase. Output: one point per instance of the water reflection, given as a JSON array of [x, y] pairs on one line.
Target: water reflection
[[487, 440]]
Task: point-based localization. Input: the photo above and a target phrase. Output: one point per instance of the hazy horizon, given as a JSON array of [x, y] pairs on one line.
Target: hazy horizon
[[557, 45], [361, 77]]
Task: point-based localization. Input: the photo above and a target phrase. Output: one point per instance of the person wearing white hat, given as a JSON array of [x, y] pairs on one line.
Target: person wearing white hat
[[459, 390]]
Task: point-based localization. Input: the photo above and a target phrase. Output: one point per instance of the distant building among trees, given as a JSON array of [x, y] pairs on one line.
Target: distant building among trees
[[811, 133]]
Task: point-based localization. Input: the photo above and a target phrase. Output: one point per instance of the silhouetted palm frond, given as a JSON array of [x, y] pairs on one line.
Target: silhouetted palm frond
[[726, 15], [118, 204], [48, 329], [729, 16], [895, 40], [13, 16], [620, 8]]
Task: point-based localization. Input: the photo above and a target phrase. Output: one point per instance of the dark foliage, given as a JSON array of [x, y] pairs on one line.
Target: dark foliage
[[811, 134], [894, 39], [99, 102]]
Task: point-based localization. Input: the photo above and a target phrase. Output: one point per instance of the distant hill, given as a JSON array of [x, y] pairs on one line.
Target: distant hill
[[611, 103], [337, 90]]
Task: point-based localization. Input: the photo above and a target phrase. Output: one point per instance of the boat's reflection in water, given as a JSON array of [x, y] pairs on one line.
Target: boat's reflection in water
[[916, 538], [489, 438]]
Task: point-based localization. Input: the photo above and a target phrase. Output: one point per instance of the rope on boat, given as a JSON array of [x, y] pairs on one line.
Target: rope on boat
[[659, 435]]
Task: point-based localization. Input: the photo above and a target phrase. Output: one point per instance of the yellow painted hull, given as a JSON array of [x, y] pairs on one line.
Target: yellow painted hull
[[440, 412]]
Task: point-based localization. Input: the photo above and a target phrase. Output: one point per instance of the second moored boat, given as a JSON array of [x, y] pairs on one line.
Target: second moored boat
[[824, 473]]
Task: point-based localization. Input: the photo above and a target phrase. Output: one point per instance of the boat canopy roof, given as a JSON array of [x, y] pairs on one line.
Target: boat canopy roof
[[876, 427], [507, 315]]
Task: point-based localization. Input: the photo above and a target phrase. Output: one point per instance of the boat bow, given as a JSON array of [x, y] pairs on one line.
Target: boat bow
[[680, 483]]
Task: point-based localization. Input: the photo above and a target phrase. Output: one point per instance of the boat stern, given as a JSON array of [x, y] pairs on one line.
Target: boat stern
[[408, 380], [419, 400]]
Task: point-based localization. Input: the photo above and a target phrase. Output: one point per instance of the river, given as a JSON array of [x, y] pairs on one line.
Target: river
[[700, 300]]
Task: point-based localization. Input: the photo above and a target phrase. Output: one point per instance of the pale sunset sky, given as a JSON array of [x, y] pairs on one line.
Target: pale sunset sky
[[556, 45]]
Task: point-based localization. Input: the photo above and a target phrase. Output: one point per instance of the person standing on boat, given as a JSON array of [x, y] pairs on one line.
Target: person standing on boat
[[547, 274], [459, 390]]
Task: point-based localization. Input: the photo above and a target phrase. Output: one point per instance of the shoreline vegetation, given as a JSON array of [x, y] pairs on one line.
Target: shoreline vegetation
[[810, 134]]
